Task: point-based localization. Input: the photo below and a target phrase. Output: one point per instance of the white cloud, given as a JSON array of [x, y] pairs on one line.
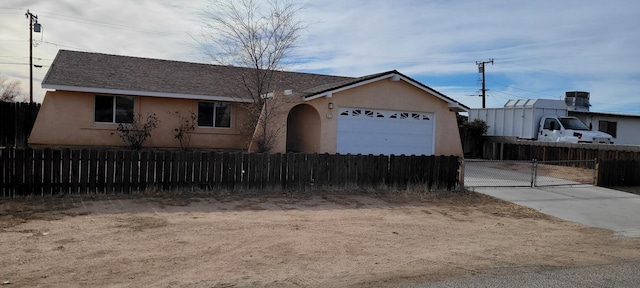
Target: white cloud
[[563, 44], [541, 48]]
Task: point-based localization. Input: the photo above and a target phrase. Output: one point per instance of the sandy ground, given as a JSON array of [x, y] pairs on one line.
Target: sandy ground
[[301, 241]]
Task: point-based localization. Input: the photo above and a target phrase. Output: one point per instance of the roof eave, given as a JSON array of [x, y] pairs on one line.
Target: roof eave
[[457, 107], [146, 93], [454, 106], [609, 114], [329, 93]]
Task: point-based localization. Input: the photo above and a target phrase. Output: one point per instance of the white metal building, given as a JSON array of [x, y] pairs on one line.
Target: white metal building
[[625, 128]]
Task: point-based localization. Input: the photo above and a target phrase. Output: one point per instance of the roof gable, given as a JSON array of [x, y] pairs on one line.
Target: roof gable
[[328, 90]]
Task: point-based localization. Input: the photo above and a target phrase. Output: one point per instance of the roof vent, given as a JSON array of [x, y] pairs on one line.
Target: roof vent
[[577, 100]]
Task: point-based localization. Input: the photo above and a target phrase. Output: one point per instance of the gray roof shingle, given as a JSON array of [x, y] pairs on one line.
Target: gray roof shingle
[[84, 71], [112, 72]]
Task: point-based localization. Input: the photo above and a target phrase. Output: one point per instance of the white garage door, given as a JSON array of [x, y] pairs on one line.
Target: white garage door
[[369, 131]]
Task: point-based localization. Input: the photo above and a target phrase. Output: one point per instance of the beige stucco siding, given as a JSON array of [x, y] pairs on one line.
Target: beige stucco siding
[[389, 95], [303, 129], [67, 119]]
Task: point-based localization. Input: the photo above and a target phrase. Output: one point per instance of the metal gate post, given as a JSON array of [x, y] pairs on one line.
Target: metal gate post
[[461, 173], [534, 172], [595, 171]]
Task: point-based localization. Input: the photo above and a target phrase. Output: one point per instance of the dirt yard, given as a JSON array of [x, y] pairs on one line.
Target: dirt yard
[[301, 241]]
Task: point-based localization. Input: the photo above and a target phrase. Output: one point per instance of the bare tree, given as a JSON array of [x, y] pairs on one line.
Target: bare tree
[[245, 34], [10, 91]]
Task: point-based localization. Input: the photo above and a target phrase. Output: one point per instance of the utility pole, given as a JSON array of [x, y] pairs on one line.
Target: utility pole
[[33, 25], [481, 70]]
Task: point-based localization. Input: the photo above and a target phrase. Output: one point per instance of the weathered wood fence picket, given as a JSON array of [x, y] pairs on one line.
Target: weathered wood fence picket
[[621, 173], [16, 122], [80, 171], [551, 151]]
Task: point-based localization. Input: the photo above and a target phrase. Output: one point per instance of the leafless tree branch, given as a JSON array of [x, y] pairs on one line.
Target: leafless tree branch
[[244, 33], [10, 91]]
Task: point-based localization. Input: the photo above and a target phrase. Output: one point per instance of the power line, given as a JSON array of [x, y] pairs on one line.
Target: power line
[[23, 57], [505, 93], [35, 65], [61, 45], [103, 24], [109, 25], [513, 87]]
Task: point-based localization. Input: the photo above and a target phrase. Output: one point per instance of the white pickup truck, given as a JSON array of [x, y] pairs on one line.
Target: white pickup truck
[[569, 129]]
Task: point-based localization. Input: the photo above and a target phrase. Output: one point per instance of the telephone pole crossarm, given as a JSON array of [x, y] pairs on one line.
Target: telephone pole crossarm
[[481, 65]]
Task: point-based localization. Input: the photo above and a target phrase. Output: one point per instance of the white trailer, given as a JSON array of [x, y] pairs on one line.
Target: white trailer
[[518, 118]]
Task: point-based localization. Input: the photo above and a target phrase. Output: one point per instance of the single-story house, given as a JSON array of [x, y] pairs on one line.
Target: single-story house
[[623, 127], [383, 113]]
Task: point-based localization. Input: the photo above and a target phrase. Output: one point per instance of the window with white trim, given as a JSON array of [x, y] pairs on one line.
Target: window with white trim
[[113, 109], [214, 114]]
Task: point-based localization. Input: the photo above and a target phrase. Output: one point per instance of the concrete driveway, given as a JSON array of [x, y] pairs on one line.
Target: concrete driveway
[[513, 174], [585, 204]]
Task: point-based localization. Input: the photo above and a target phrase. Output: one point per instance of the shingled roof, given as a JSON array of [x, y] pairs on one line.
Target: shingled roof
[[113, 74], [103, 73]]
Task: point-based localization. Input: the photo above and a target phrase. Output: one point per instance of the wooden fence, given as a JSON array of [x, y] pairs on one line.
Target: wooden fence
[[551, 151], [622, 173], [65, 171], [16, 122]]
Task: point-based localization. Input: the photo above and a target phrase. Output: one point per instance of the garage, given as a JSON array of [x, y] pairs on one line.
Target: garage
[[371, 131]]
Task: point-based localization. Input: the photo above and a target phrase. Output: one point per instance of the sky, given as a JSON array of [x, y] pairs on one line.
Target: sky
[[541, 49]]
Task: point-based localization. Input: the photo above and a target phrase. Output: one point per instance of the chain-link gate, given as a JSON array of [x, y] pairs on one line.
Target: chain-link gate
[[490, 173]]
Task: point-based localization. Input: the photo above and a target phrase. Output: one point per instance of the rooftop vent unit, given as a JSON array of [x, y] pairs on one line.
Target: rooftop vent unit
[[577, 100]]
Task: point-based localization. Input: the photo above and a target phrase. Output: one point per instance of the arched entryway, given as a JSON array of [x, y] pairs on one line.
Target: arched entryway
[[303, 129]]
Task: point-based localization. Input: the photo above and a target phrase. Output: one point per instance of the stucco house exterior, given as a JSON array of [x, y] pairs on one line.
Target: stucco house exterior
[[384, 113]]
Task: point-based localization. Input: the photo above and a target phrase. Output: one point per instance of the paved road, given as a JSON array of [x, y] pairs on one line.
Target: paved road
[[610, 275]]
